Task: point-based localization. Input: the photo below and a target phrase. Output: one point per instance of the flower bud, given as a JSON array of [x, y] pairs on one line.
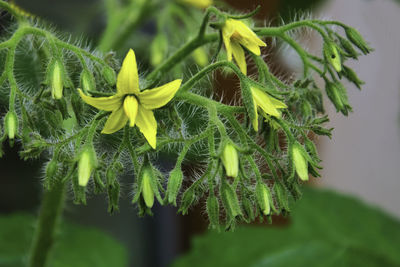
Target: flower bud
[[230, 200], [87, 81], [109, 75], [200, 57], [352, 76], [86, 164], [147, 190], [300, 162], [11, 125], [159, 48], [57, 80], [230, 160], [263, 196], [174, 184], [281, 196], [213, 210], [187, 199], [355, 37], [337, 94], [331, 53], [348, 47]]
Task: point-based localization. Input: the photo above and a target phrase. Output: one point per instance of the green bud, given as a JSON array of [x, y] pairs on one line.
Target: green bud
[[334, 95], [230, 160], [158, 48], [87, 81], [200, 57], [11, 125], [213, 211], [86, 164], [352, 76], [348, 47], [306, 108], [187, 199], [248, 209], [355, 37], [331, 53], [109, 75], [230, 200], [174, 184], [263, 196], [57, 81], [281, 196], [147, 190], [299, 161], [113, 196]]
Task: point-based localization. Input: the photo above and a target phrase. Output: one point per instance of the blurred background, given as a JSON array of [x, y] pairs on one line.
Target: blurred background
[[361, 159]]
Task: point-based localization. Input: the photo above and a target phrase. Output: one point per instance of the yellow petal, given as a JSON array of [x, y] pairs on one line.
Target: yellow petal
[[227, 32], [131, 109], [277, 103], [262, 100], [147, 125], [128, 79], [116, 121], [253, 48], [103, 103], [160, 96], [240, 59]]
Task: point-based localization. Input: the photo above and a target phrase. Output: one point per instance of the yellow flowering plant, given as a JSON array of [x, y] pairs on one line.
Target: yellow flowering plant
[[81, 115]]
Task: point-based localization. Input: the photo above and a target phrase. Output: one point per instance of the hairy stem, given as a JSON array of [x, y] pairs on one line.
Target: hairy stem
[[49, 217]]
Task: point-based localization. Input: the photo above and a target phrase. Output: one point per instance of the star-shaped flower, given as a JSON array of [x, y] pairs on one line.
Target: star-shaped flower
[[129, 103], [266, 103], [236, 34]]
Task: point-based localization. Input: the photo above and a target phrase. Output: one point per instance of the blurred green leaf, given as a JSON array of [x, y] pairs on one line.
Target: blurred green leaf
[[327, 229], [76, 246]]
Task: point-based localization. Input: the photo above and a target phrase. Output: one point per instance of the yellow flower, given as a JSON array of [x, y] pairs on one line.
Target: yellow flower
[[198, 3], [266, 103], [236, 34], [129, 103]]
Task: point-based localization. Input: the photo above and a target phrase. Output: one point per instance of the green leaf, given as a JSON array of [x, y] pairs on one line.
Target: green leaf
[[75, 245], [326, 229]]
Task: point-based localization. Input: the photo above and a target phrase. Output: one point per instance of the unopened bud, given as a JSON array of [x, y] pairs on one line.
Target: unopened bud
[[187, 199], [147, 190], [337, 94], [200, 56], [348, 47], [355, 37], [352, 76], [174, 184], [86, 164], [87, 81], [109, 75], [57, 80], [230, 160], [263, 196], [213, 210], [300, 162], [230, 200], [11, 124], [331, 53]]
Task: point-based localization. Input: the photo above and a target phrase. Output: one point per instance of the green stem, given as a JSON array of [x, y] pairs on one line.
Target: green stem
[[179, 55], [49, 217]]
